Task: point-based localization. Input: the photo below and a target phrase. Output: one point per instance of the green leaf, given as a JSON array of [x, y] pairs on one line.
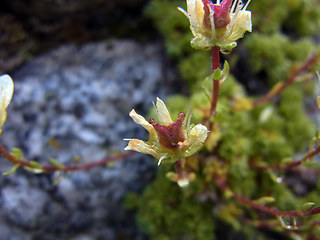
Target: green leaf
[[55, 163], [36, 167], [217, 74], [225, 71], [307, 206], [17, 153], [35, 164], [12, 170], [265, 200]]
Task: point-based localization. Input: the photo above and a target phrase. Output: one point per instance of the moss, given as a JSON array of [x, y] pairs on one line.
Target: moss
[[172, 25], [298, 17], [265, 136], [275, 54], [194, 68], [174, 214]]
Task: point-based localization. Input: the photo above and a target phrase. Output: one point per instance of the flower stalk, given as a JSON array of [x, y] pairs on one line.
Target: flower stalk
[[47, 168], [216, 83]]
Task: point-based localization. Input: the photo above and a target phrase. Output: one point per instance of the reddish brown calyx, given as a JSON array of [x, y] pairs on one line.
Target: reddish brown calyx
[[206, 17], [221, 15], [171, 135]]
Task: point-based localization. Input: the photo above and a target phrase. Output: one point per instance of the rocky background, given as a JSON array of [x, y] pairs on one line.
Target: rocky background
[[31, 27], [79, 67]]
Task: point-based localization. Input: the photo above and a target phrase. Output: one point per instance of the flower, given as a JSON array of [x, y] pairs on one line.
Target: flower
[[168, 140], [6, 91], [217, 24], [183, 179]]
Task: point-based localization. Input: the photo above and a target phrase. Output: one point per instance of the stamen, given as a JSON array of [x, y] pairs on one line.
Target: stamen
[[160, 160], [235, 3], [247, 4], [185, 13]]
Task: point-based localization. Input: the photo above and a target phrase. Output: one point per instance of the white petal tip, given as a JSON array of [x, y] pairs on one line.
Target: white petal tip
[[183, 182], [127, 148], [132, 112], [6, 88]]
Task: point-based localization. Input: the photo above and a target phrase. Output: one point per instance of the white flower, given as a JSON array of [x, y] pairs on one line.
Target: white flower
[[6, 92], [217, 24], [168, 140]]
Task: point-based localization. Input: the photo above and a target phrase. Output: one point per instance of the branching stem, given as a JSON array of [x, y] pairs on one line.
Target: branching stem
[[273, 93], [292, 164], [11, 158], [273, 211]]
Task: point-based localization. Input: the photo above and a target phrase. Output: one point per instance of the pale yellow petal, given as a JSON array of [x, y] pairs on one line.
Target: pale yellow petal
[[196, 137], [6, 91], [241, 23], [163, 113], [144, 123], [244, 21], [198, 133], [142, 147], [196, 12]]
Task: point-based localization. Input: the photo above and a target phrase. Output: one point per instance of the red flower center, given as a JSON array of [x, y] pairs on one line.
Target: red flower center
[[221, 14], [170, 136]]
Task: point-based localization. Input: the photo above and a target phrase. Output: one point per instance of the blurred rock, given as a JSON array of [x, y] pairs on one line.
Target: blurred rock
[[53, 22], [16, 44], [74, 102]]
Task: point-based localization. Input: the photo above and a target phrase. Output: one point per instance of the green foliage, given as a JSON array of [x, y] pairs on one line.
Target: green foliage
[[297, 16], [172, 25], [195, 67], [174, 214], [305, 18], [267, 135], [274, 55]]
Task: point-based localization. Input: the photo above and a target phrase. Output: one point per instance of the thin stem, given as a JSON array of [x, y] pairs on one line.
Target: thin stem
[[270, 95], [292, 164], [27, 164], [12, 158], [275, 212], [215, 51]]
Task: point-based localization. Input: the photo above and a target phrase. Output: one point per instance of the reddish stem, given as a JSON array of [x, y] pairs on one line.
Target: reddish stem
[[215, 51], [25, 163], [275, 212], [291, 164], [311, 61]]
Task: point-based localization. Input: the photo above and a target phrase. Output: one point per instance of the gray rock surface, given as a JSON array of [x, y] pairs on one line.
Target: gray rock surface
[[73, 102], [32, 27]]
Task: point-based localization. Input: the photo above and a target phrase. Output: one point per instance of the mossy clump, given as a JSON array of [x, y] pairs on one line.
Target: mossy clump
[[274, 55], [175, 214], [243, 143], [296, 17]]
